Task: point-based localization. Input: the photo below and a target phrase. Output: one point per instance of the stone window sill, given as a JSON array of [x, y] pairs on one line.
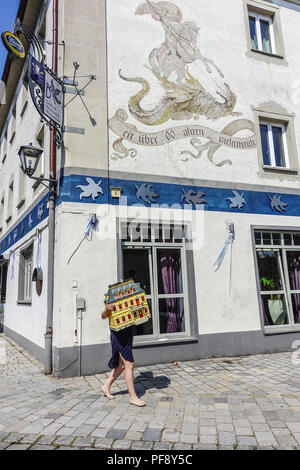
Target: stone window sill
[[24, 302], [21, 204], [161, 342], [277, 169], [279, 330]]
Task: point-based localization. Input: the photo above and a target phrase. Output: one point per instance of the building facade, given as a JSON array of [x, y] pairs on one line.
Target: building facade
[[194, 120]]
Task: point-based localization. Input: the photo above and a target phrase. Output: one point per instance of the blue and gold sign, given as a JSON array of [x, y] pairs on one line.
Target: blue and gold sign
[[13, 44]]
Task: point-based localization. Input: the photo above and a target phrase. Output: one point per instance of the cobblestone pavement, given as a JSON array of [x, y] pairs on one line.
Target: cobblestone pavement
[[231, 403]]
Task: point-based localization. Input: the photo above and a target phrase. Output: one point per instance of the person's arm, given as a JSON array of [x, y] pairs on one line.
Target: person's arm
[[106, 311]]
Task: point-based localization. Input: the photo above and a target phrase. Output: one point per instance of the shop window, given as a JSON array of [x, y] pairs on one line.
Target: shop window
[[25, 275], [160, 269], [278, 263]]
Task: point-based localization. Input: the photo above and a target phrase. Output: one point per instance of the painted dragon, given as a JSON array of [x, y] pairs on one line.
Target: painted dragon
[[181, 101]]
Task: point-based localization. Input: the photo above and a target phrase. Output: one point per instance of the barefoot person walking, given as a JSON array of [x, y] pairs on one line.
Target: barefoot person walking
[[122, 359]]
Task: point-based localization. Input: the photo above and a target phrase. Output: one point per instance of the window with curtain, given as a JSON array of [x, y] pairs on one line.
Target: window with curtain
[[278, 262], [154, 257], [274, 144], [262, 33], [25, 275]]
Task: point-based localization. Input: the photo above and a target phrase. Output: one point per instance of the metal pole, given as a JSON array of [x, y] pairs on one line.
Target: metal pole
[[52, 205]]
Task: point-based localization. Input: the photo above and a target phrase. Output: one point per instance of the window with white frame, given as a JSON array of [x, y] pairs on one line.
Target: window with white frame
[[1, 213], [262, 33], [278, 263], [25, 275], [274, 144], [155, 257]]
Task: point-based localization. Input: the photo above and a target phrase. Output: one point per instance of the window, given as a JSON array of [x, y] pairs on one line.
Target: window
[[25, 275], [155, 257], [262, 33], [1, 213], [274, 144], [276, 141], [278, 262], [3, 282], [40, 171], [10, 202]]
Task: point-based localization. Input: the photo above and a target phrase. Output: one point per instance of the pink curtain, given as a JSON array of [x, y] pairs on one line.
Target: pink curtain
[[294, 270], [170, 277]]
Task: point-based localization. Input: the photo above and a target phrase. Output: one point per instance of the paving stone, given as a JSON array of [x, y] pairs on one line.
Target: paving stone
[[18, 447], [83, 442], [38, 447], [204, 447], [265, 438], [103, 443], [170, 436], [226, 438], [115, 434], [64, 440], [189, 438], [162, 446], [4, 445], [152, 434], [134, 435], [121, 444], [142, 445], [246, 441], [182, 446]]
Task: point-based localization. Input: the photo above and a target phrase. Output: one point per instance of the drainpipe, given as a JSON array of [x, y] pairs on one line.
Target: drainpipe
[[52, 204]]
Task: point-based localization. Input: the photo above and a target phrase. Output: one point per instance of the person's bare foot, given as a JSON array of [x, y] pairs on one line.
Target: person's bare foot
[[107, 393], [137, 402]]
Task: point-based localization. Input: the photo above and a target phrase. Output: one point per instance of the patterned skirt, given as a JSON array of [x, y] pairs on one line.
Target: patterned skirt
[[121, 343]]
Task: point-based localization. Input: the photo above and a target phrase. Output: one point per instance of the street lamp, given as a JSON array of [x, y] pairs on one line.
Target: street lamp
[[30, 157]]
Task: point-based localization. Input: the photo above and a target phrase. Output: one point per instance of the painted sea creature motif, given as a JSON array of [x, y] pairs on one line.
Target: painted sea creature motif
[[193, 197], [145, 192], [40, 212], [91, 190], [277, 204], [30, 221], [237, 201], [15, 235]]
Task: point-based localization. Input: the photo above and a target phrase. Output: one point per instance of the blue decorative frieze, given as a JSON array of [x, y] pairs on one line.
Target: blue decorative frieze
[[38, 214], [189, 197]]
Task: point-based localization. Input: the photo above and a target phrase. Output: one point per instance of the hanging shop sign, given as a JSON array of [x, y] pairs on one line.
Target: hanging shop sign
[[13, 45], [47, 93], [53, 99]]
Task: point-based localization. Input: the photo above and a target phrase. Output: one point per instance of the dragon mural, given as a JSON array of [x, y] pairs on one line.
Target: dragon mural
[[184, 97]]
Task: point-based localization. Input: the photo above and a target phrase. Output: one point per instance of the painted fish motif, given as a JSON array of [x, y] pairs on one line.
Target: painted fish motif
[[237, 201], [277, 204], [92, 189], [41, 211], [145, 192], [191, 197]]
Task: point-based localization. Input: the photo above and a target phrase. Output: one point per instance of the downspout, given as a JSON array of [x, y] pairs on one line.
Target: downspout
[[52, 205]]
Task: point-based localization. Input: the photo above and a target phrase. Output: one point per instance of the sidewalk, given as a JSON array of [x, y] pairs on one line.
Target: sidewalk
[[231, 403]]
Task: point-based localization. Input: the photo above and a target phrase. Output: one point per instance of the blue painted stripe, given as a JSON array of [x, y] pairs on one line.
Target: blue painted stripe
[[38, 214], [257, 202]]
